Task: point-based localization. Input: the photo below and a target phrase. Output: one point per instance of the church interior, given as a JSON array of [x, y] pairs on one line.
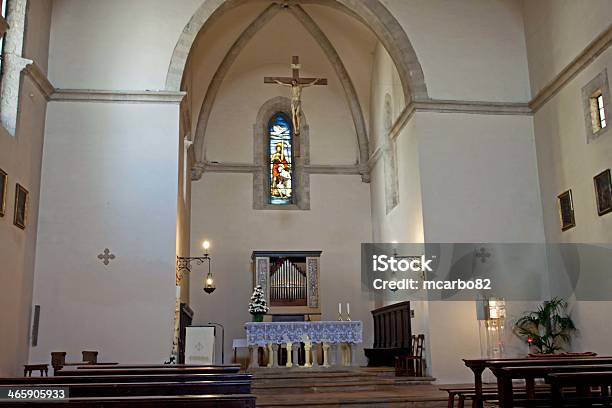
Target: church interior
[[190, 191]]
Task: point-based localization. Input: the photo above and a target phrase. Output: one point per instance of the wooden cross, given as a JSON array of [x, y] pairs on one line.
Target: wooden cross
[[295, 68], [296, 83]]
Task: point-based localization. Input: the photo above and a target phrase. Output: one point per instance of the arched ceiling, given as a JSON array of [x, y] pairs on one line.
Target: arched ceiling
[[246, 21]]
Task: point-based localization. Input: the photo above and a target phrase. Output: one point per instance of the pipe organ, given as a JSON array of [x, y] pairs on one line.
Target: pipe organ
[[288, 283], [290, 280]]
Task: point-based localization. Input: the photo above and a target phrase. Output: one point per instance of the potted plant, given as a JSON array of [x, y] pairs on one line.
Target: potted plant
[[257, 306], [548, 328]]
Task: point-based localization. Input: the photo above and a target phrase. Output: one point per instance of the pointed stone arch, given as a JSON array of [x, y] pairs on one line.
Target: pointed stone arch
[[371, 13]]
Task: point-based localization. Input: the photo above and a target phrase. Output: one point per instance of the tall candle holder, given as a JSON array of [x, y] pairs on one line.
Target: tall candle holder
[[340, 312], [348, 312]]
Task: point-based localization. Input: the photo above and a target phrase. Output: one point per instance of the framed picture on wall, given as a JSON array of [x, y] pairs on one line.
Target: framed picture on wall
[[3, 191], [603, 192], [566, 210], [21, 206]]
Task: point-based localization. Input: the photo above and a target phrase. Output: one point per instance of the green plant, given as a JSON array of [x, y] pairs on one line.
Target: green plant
[[548, 328]]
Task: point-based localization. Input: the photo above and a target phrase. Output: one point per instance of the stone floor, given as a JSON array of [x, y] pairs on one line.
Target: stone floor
[[352, 387]]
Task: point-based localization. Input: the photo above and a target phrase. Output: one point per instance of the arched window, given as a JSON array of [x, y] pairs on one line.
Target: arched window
[[280, 154]]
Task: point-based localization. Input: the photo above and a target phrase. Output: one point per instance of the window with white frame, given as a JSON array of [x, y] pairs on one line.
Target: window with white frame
[[598, 111], [595, 99]]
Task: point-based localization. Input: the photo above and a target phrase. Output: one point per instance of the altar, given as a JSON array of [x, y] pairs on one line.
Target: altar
[[336, 340]]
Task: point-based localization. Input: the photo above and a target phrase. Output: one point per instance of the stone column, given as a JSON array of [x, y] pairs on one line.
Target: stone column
[[334, 355], [289, 355], [295, 354], [270, 356], [325, 354], [275, 355], [353, 360], [307, 349], [254, 352], [315, 354]]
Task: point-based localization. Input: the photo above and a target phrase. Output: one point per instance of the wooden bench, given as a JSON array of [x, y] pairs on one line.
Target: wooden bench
[[196, 401], [489, 393], [118, 389], [583, 382], [457, 392], [126, 378], [115, 366], [479, 365], [147, 386], [134, 371], [28, 368], [506, 375]]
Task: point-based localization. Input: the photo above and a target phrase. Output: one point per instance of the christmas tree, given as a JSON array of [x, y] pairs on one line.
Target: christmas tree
[[257, 305]]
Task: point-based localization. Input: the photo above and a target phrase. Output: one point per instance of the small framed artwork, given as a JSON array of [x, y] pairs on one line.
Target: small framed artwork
[[21, 206], [566, 210], [3, 191], [603, 192]]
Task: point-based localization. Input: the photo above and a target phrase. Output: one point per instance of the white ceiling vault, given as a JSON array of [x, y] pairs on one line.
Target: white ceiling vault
[[372, 17]]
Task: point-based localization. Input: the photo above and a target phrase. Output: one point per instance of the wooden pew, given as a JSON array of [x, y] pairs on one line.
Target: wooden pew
[[118, 389], [479, 365], [129, 371], [489, 393], [115, 366], [183, 401], [125, 378], [583, 382], [147, 386], [505, 375]]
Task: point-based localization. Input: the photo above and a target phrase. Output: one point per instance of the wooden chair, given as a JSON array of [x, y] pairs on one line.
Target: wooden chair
[[413, 364], [58, 359], [90, 356]]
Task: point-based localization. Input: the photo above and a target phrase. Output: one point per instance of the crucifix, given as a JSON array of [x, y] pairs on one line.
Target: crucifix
[[296, 83]]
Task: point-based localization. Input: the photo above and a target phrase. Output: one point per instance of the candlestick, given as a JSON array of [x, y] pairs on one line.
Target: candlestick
[[340, 311], [348, 311]]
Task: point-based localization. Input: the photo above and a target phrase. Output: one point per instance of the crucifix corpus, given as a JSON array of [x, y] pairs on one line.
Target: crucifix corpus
[[297, 84]]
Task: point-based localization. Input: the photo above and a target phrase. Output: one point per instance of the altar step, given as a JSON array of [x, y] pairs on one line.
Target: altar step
[[354, 387], [417, 396]]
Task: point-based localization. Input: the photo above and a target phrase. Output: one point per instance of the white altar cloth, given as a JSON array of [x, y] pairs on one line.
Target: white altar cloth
[[333, 332]]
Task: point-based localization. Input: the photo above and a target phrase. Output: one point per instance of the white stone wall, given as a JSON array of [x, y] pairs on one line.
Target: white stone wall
[[337, 223], [20, 157], [461, 178], [115, 44], [557, 31], [565, 160], [479, 184], [469, 50], [110, 175]]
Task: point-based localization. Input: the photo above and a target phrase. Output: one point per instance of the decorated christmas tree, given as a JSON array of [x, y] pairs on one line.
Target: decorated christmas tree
[[257, 305]]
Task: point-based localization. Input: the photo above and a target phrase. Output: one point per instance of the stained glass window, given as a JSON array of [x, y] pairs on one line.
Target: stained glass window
[[280, 142]]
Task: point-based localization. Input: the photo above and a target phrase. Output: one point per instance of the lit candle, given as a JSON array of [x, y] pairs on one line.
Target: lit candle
[[339, 308], [348, 308]]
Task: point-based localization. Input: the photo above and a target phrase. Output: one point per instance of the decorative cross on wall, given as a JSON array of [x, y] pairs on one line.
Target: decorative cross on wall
[[482, 254], [106, 256]]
